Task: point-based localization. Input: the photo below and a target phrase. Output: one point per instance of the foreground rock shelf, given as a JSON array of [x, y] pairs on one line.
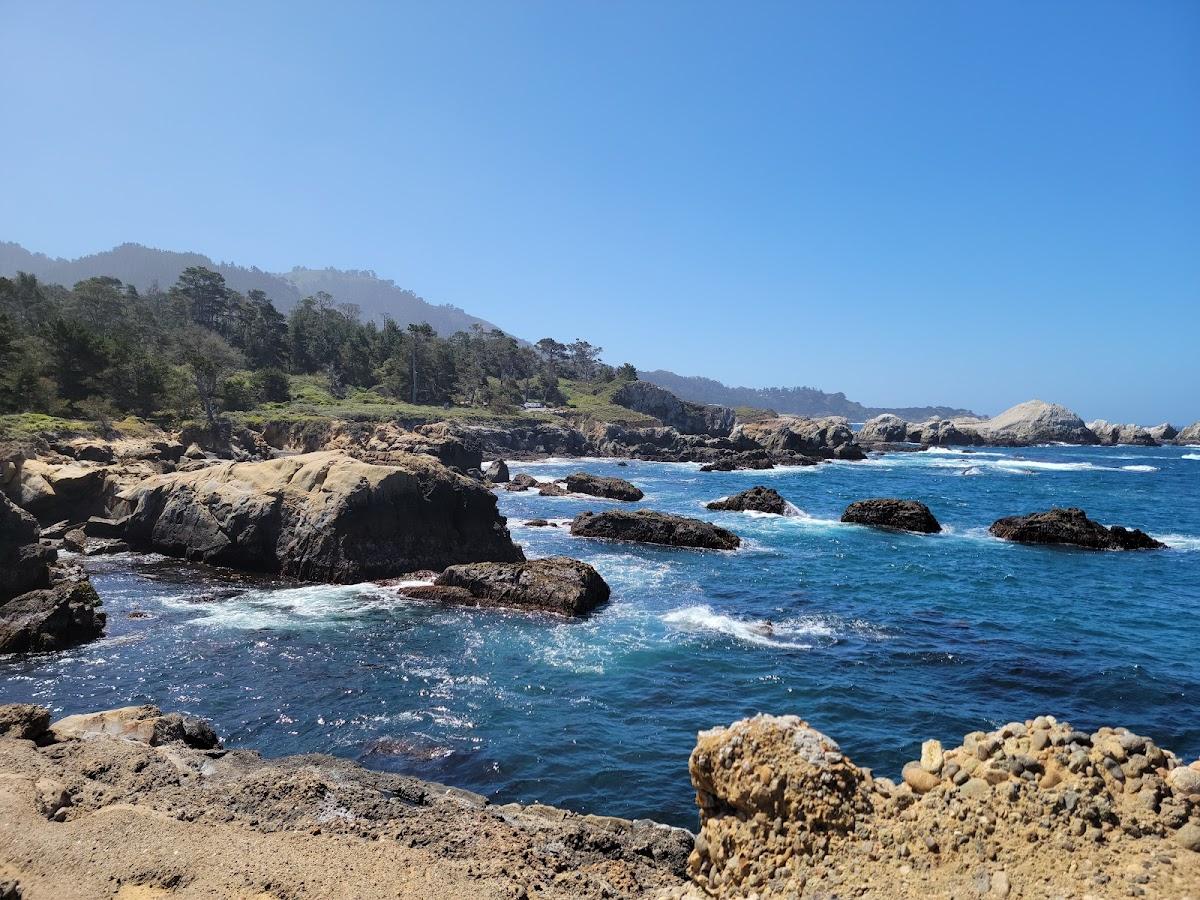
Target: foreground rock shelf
[[135, 803]]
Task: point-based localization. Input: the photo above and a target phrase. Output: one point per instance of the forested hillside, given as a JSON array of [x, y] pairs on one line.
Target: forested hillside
[[105, 349], [801, 401], [146, 268]]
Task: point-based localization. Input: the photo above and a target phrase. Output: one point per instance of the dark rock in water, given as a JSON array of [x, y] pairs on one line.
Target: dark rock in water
[[748, 459], [540, 523], [885, 512], [682, 415], [599, 486], [1073, 528], [851, 452], [23, 561], [757, 499], [75, 540], [551, 489], [521, 482], [53, 618], [321, 517], [622, 463], [554, 584], [497, 472], [649, 527]]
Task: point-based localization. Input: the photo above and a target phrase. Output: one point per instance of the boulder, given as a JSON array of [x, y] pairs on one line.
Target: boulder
[[144, 724], [648, 527], [886, 512], [884, 429], [66, 613], [23, 561], [1071, 527], [757, 499], [1035, 422], [497, 472], [551, 489], [599, 486], [555, 584], [322, 516], [684, 416], [1109, 434], [521, 482]]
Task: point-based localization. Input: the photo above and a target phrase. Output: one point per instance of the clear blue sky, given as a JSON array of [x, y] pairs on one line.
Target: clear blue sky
[[970, 203]]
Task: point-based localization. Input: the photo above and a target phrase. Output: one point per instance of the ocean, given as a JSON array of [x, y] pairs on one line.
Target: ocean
[[879, 639]]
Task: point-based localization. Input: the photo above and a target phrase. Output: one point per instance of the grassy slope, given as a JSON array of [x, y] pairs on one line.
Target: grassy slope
[[311, 401]]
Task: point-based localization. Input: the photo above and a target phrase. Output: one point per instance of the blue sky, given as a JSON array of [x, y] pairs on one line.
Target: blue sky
[[970, 203]]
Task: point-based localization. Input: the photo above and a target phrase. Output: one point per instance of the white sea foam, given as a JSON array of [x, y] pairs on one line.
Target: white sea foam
[[1179, 541], [1142, 468], [307, 606], [754, 631], [1190, 456]]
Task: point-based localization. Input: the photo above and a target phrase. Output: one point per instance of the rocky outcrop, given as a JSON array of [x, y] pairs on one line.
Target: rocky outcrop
[[1164, 433], [172, 817], [1110, 434], [884, 429], [497, 472], [648, 527], [600, 486], [795, 434], [757, 499], [1035, 422], [24, 562], [783, 811], [521, 482], [320, 516], [1190, 434], [382, 443], [554, 584], [42, 607], [683, 416], [899, 515], [1071, 527], [1023, 425]]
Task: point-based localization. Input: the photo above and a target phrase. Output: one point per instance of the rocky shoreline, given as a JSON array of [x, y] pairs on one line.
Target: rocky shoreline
[[128, 800]]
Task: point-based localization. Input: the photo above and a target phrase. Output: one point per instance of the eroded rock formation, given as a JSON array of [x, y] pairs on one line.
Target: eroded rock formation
[[1073, 528], [887, 512], [649, 527], [554, 584], [320, 516], [756, 499]]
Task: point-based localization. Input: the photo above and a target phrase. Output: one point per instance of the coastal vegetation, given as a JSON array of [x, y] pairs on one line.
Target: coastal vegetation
[[89, 358]]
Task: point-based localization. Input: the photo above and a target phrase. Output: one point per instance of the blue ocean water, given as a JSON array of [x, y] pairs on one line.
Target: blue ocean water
[[879, 639]]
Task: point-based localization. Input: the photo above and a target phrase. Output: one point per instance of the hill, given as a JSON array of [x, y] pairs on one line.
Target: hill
[[145, 267], [801, 401]]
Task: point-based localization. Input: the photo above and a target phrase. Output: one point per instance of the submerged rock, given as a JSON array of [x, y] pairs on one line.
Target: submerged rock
[[599, 486], [756, 499], [554, 584], [649, 527], [321, 517], [886, 512], [1071, 527]]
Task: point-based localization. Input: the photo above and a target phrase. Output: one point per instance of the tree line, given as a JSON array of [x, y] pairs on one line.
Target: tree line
[[103, 349]]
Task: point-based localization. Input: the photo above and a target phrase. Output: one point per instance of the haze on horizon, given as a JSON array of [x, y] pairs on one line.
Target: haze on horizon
[[913, 203]]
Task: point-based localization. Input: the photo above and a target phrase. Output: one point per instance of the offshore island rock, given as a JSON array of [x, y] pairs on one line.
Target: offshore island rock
[[1073, 528], [900, 515], [554, 584], [599, 486], [649, 527], [756, 499]]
